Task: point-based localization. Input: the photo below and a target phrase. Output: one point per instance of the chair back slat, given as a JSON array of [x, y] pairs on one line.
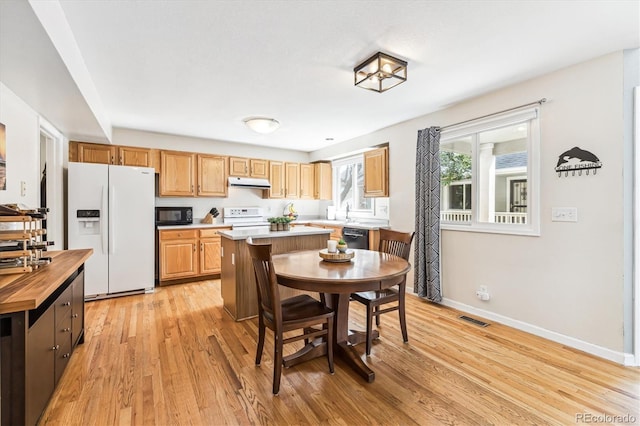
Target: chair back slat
[[266, 282], [396, 243]]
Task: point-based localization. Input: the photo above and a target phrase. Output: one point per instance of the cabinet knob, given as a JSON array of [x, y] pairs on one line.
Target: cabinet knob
[[121, 161], [194, 248], [74, 316], [66, 304], [67, 355], [55, 348], [66, 329]]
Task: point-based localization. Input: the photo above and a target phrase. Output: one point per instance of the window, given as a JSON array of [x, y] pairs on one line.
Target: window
[[349, 185], [489, 175]]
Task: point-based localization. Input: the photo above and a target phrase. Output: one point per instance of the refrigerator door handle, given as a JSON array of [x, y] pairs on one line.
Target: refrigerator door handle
[[103, 223], [112, 213]]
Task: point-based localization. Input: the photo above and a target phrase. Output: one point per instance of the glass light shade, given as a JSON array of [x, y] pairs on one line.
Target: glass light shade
[[380, 73], [262, 125]]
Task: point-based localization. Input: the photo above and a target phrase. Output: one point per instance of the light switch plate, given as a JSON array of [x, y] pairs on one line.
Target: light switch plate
[[564, 214]]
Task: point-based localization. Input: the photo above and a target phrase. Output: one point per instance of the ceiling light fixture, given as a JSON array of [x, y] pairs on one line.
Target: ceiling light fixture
[[380, 73], [262, 125]]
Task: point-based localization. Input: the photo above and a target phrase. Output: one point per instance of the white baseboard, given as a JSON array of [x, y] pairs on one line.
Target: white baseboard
[[618, 357]]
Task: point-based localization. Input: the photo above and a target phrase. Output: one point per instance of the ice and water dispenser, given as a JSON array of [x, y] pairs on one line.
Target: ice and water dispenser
[[88, 222]]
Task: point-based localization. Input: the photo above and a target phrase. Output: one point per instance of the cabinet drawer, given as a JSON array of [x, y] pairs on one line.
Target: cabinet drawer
[[211, 232], [63, 306], [178, 234]]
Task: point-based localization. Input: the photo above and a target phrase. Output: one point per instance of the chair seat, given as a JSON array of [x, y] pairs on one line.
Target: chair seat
[[381, 297], [302, 307]]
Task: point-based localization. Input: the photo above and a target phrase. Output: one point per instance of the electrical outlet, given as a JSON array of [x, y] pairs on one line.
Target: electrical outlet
[[23, 188], [483, 293]]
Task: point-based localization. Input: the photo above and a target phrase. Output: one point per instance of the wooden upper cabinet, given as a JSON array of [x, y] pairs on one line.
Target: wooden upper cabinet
[[259, 168], [212, 176], [248, 167], [276, 178], [291, 180], [307, 181], [131, 156], [92, 153], [178, 174], [238, 166], [376, 173], [323, 181]]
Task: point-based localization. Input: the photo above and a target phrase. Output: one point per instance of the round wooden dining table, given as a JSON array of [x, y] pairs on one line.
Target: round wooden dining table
[[367, 271]]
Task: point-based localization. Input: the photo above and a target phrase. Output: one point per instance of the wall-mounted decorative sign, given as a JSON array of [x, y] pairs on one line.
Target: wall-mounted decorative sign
[[577, 160]]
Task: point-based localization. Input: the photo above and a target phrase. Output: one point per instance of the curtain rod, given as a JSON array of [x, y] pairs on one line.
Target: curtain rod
[[538, 102]]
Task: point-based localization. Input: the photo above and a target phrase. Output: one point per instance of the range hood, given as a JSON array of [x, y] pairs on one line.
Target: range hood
[[253, 183]]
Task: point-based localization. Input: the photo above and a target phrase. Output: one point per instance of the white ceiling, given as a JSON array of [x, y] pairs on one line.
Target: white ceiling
[[198, 68]]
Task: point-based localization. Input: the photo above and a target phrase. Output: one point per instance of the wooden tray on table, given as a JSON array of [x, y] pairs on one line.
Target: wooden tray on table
[[336, 257]]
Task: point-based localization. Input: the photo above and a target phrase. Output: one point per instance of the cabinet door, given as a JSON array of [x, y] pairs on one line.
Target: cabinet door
[[40, 359], [131, 156], [177, 174], [323, 181], [238, 166], [276, 178], [210, 255], [178, 259], [259, 168], [95, 153], [77, 310], [376, 173], [292, 180], [212, 176], [307, 181]]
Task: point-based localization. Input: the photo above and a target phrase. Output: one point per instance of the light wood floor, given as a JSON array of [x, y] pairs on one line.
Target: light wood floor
[[175, 357]]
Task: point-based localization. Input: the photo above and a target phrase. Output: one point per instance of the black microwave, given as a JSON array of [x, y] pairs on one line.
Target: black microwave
[[174, 216]]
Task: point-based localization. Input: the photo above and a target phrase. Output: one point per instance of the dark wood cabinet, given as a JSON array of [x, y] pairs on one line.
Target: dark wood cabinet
[[35, 348]]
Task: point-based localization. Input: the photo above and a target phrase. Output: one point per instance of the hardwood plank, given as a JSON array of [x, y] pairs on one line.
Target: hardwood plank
[[175, 357]]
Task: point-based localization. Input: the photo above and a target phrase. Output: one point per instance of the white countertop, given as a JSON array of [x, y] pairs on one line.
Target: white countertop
[[296, 231], [194, 225], [356, 223]]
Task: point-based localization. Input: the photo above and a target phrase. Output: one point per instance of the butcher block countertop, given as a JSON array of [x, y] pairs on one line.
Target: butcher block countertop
[[23, 292]]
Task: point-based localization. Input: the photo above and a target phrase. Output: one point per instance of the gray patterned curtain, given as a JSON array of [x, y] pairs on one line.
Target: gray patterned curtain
[[427, 249]]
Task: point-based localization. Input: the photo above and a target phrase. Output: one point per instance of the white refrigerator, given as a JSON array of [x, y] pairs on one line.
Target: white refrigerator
[[111, 210]]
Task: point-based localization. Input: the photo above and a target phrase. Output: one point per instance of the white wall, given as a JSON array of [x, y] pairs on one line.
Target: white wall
[[237, 197], [568, 282], [23, 149]]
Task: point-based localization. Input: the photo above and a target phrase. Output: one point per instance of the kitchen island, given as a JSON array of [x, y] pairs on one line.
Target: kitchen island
[[238, 284], [42, 321]]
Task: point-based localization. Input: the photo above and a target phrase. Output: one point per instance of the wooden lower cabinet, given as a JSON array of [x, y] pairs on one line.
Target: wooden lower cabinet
[[36, 348], [189, 254], [210, 250], [336, 230]]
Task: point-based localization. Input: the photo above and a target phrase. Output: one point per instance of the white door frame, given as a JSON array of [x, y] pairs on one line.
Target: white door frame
[[55, 193]]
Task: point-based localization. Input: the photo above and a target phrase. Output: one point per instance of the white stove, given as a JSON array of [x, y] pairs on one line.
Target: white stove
[[249, 219]]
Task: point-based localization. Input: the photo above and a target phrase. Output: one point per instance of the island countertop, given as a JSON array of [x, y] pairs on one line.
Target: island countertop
[[23, 292], [296, 231]]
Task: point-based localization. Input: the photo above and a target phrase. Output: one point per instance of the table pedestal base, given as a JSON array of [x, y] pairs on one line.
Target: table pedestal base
[[342, 350]]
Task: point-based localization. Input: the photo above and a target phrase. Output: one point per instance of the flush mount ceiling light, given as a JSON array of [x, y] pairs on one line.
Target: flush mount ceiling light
[[262, 125], [380, 72]]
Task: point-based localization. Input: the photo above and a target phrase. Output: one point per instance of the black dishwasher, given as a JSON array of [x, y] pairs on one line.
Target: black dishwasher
[[356, 238]]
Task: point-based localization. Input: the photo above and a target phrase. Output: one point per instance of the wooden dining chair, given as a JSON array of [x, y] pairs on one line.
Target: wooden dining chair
[[399, 244], [296, 313]]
